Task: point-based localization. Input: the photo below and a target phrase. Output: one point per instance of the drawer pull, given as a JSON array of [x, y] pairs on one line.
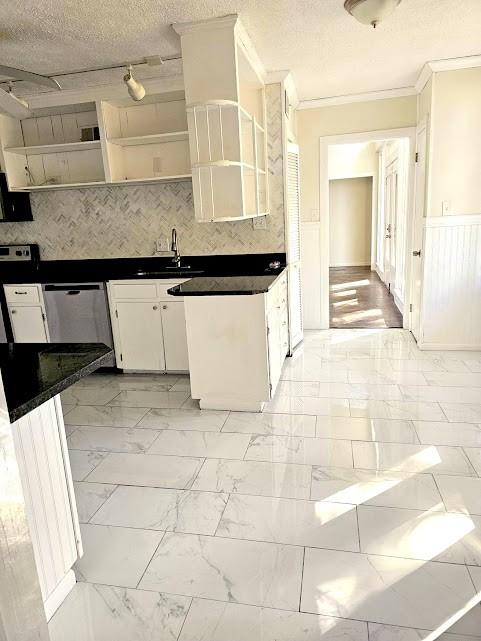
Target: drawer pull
[[20, 293]]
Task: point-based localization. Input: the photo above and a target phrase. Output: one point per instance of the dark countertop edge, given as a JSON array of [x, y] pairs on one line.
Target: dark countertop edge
[[177, 289], [49, 393], [142, 267]]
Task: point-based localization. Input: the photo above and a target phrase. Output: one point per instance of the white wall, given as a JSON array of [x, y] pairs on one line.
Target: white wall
[[352, 161], [350, 221], [455, 146]]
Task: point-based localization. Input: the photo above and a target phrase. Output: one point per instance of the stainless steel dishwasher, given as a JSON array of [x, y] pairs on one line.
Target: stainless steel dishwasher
[[78, 313]]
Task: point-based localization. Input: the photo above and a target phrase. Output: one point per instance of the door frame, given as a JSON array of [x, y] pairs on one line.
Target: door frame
[[323, 227]]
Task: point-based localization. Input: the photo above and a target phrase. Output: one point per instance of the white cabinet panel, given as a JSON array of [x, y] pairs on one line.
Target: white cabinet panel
[[28, 323], [175, 336], [140, 335]]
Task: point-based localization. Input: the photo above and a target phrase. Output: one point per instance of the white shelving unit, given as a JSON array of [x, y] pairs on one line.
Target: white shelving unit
[[138, 144], [226, 117]]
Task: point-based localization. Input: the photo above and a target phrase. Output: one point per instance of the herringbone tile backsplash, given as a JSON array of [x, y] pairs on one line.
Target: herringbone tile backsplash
[[125, 221]]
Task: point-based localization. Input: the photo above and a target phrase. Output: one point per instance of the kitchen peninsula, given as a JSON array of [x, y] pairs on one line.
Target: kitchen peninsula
[[237, 338], [39, 531]]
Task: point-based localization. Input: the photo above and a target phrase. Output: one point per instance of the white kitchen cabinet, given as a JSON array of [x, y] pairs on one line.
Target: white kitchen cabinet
[[27, 313], [237, 346], [226, 115], [140, 336], [148, 326], [175, 336]]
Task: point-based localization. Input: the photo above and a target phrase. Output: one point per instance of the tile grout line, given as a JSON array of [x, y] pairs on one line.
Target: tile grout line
[[302, 576], [151, 558]]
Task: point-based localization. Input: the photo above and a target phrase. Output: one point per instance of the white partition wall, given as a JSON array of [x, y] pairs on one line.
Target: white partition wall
[[451, 308]]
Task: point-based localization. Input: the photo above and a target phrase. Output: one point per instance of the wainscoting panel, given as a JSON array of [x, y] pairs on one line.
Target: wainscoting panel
[[451, 315]]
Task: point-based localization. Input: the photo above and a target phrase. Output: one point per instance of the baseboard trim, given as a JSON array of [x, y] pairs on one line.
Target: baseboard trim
[[59, 594], [356, 264]]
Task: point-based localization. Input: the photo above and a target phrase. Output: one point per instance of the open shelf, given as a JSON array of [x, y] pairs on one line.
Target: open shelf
[[155, 179], [56, 148], [95, 183], [150, 139]]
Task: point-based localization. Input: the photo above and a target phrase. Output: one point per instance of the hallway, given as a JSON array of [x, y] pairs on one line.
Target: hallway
[[359, 299]]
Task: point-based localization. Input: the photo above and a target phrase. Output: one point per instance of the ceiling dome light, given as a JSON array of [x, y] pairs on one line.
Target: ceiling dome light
[[370, 11], [136, 89]]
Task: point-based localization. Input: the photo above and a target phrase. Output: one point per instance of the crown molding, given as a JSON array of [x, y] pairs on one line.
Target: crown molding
[[384, 94], [449, 64]]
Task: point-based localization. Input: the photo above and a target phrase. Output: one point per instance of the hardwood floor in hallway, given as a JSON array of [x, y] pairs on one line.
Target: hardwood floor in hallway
[[359, 298]]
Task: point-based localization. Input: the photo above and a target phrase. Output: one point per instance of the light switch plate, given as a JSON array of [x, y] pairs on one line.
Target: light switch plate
[[446, 207]]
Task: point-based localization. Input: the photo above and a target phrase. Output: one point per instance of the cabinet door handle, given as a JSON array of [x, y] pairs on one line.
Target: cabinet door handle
[[155, 307], [164, 307], [13, 311]]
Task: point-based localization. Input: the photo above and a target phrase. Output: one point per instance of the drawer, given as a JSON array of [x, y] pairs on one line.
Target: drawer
[[132, 291], [277, 296], [22, 294]]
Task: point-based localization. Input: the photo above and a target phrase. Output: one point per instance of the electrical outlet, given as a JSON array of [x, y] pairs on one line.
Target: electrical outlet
[[157, 165], [260, 222], [446, 207]]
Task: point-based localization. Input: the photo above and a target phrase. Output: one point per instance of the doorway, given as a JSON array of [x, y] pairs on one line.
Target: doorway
[[366, 194]]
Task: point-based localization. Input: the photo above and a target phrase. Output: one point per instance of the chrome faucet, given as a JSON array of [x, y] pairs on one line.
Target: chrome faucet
[[174, 248]]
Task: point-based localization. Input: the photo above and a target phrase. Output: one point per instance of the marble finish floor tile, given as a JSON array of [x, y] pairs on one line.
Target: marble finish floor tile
[[184, 419], [158, 509], [370, 487], [308, 405], [87, 396], [82, 463], [412, 534], [404, 592], [263, 423], [308, 523], [218, 621], [143, 382], [89, 497], [366, 429], [193, 443], [154, 471], [462, 412], [401, 457], [458, 434], [404, 410], [388, 376], [453, 379], [114, 555], [111, 439], [474, 455], [105, 416], [303, 451], [254, 477], [102, 613], [460, 494], [434, 393], [248, 572], [339, 390], [138, 398], [380, 632]]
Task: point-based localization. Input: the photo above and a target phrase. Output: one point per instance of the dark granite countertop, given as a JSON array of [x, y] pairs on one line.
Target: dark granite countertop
[[104, 269], [33, 373], [225, 285]]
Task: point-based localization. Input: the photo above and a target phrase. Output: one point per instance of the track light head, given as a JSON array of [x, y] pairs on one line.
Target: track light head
[[136, 89]]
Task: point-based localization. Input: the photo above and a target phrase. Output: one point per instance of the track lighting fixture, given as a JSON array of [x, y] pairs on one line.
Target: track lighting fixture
[[135, 88]]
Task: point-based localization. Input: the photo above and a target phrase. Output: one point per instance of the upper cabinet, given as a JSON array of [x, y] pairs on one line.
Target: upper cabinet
[[97, 143], [226, 115]]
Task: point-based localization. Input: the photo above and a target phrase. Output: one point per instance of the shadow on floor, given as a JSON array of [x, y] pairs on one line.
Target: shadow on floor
[[359, 298]]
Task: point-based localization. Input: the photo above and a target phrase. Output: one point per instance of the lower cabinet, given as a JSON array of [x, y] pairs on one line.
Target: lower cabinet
[[148, 326], [27, 313]]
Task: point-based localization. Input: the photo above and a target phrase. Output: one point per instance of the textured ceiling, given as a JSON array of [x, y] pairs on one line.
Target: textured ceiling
[[328, 52]]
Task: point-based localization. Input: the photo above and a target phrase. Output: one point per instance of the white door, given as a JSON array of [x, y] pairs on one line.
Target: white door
[[28, 324], [175, 336], [140, 335], [294, 247], [390, 221], [417, 244]]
